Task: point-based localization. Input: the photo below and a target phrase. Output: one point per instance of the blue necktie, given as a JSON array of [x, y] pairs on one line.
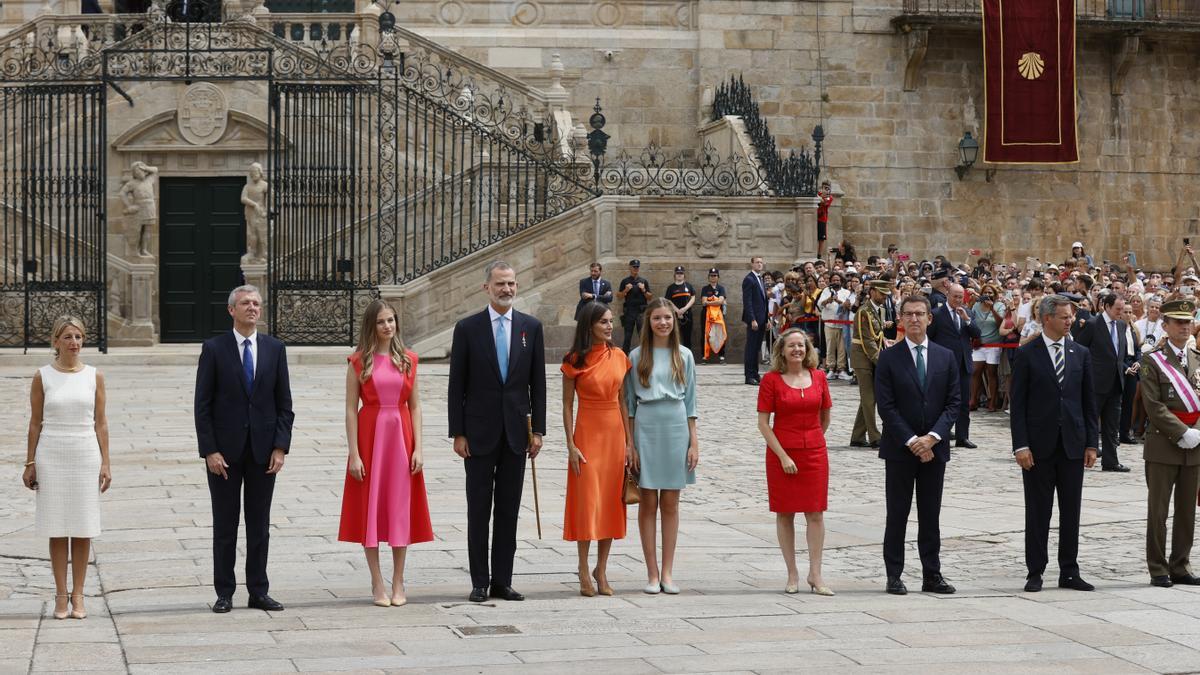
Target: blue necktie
[[502, 348], [596, 290], [248, 364], [921, 365], [1112, 329]]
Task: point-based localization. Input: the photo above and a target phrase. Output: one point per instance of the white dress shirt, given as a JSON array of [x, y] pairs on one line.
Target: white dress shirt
[[494, 316], [241, 339], [912, 351]]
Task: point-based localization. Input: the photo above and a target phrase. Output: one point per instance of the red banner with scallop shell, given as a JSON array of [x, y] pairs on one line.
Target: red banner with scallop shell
[[1029, 82]]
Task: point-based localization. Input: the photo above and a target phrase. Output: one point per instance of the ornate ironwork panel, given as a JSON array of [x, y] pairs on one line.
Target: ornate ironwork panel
[[323, 172], [52, 219]]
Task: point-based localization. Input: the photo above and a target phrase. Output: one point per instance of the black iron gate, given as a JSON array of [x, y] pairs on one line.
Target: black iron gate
[[52, 218], [324, 150]]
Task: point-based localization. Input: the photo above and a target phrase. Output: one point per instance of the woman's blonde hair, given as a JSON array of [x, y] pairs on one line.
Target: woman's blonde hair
[[646, 360], [368, 340], [779, 360], [61, 324]]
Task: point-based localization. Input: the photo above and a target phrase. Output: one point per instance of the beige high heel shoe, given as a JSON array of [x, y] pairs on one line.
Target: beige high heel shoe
[[77, 610], [585, 585], [603, 587], [64, 613], [380, 601]]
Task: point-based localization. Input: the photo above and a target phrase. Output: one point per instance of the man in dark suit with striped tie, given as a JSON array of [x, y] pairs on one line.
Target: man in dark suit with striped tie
[[1054, 436]]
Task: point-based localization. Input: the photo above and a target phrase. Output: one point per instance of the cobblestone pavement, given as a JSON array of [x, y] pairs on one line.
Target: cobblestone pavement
[[153, 562]]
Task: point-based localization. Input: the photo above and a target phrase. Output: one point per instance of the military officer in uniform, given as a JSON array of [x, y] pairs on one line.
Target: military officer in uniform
[[866, 342], [1169, 383]]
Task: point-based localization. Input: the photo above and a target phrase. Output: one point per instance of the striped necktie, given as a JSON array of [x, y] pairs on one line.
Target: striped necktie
[[1059, 364]]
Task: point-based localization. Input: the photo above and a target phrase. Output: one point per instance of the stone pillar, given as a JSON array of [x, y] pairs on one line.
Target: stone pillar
[[141, 301], [256, 275]]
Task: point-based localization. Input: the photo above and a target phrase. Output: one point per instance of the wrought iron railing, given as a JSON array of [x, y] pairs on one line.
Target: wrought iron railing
[[792, 176], [1182, 11]]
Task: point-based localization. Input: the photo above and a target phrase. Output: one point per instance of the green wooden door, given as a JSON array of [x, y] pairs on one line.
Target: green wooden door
[[203, 235]]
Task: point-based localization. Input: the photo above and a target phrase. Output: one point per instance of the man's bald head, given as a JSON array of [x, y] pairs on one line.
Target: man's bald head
[[955, 295]]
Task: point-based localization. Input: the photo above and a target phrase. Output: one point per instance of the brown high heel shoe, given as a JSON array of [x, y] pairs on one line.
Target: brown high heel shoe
[[605, 589], [585, 585], [77, 610]]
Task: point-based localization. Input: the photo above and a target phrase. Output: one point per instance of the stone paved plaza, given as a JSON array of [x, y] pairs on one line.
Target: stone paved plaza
[[149, 588]]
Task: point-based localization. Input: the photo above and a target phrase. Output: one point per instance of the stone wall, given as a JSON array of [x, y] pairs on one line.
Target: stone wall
[[841, 64]]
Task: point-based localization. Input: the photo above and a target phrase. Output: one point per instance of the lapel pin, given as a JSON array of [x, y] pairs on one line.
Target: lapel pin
[[523, 345]]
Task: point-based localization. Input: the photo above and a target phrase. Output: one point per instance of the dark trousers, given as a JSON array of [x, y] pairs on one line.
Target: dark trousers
[[1110, 422], [496, 478], [631, 324], [1064, 475], [685, 330], [754, 340], [227, 499], [1127, 403], [962, 426], [900, 479]]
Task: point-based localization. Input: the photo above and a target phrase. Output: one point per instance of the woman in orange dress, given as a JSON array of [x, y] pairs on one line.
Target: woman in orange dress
[[384, 497], [599, 443]]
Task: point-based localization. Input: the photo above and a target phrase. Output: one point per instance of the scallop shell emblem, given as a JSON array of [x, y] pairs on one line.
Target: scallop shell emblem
[[1031, 65]]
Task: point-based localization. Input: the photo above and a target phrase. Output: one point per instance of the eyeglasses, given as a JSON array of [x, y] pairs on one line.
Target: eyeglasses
[[913, 315]]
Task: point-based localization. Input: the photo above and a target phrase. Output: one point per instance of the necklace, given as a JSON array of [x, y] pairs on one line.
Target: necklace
[[78, 367]]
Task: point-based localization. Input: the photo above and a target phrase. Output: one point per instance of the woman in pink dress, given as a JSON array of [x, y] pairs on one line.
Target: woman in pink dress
[[384, 499]]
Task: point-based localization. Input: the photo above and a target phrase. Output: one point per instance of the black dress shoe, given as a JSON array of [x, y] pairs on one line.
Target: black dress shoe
[[895, 586], [1126, 440], [937, 584], [752, 380], [478, 594], [1033, 583], [873, 444], [222, 606], [1075, 584], [1163, 581], [506, 593], [858, 444], [265, 602], [1121, 468], [1189, 580], [965, 444]]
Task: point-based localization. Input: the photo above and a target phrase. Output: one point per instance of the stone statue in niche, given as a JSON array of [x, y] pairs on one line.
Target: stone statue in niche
[[254, 197], [137, 194]]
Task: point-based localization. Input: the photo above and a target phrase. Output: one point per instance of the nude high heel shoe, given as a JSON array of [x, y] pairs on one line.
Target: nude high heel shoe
[[77, 610], [585, 585], [605, 589], [60, 614]]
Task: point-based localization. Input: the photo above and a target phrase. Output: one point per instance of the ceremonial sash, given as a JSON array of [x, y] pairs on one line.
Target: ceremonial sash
[[1186, 394]]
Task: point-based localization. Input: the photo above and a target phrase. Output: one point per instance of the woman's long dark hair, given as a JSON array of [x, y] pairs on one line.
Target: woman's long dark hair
[[589, 315]]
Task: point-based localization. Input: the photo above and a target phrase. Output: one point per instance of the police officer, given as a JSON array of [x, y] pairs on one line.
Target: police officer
[[866, 342], [683, 296], [941, 286], [634, 291], [1169, 382]]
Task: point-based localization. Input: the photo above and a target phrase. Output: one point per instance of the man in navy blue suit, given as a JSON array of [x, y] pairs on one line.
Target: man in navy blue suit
[[1104, 336], [1054, 433], [593, 288], [917, 391], [497, 380], [754, 315], [953, 329], [243, 411]]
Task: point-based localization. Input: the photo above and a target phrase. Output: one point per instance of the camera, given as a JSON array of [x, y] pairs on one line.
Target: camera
[[987, 297], [1187, 241]]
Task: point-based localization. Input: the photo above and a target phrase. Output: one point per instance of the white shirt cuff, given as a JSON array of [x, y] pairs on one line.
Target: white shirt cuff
[[936, 436], [1019, 450], [910, 441]]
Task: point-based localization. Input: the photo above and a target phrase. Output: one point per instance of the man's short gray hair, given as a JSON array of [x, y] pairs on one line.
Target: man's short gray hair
[[493, 266], [1050, 304], [246, 288]]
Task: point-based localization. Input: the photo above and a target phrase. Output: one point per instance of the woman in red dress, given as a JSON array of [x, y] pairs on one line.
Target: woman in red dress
[[796, 392], [384, 498]]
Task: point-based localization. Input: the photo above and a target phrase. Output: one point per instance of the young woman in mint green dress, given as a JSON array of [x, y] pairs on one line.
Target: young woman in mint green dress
[[660, 390]]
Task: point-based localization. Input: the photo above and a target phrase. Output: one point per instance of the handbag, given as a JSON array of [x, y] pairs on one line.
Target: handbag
[[632, 493]]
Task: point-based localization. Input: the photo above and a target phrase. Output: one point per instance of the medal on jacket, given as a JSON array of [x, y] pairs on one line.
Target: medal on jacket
[[523, 345]]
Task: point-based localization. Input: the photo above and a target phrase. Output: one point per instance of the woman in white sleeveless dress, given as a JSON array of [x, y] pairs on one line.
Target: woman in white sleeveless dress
[[67, 460]]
